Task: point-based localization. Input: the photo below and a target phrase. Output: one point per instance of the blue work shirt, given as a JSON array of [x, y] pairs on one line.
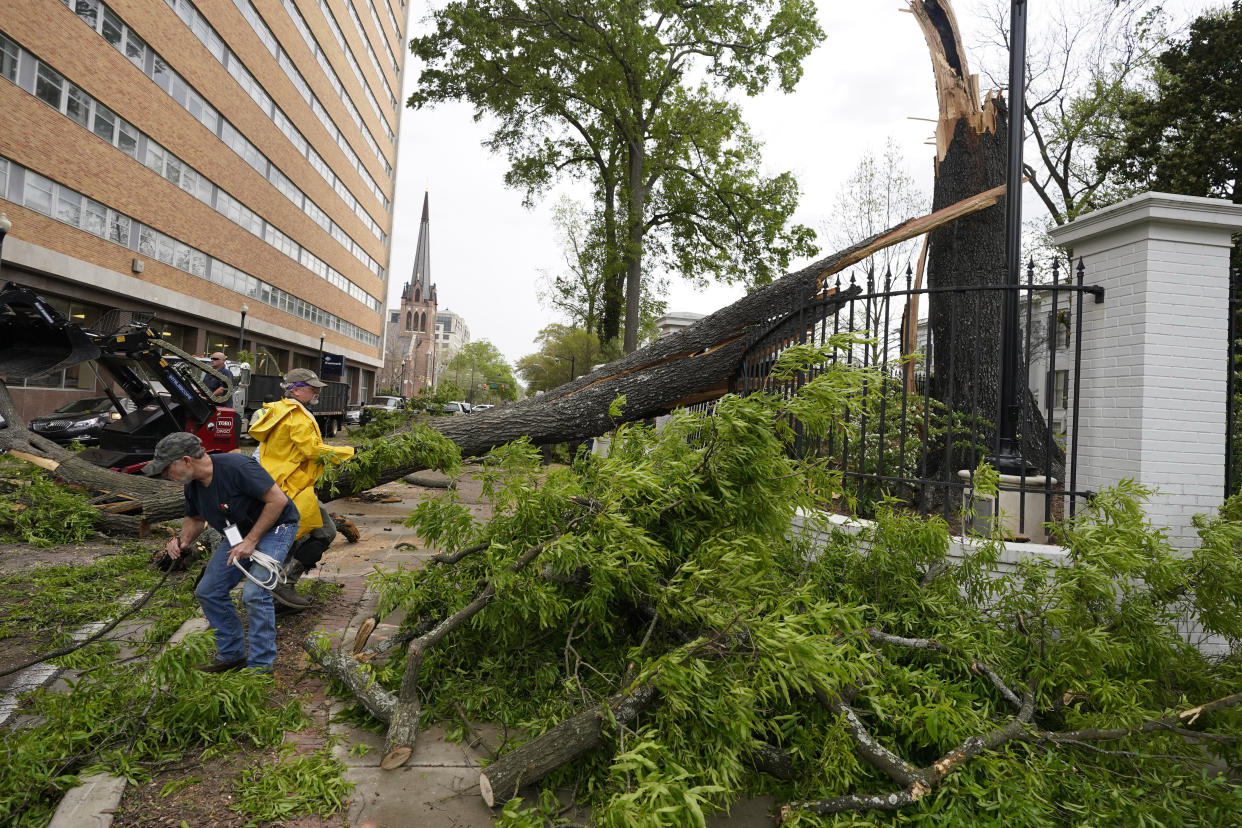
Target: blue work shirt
[[235, 493]]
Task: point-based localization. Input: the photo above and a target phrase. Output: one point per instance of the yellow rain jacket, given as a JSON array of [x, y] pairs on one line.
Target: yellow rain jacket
[[293, 452]]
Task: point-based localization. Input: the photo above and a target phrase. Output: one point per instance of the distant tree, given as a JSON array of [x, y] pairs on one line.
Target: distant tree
[[563, 351], [600, 90], [577, 293], [879, 194], [481, 370], [1083, 60], [1184, 134]]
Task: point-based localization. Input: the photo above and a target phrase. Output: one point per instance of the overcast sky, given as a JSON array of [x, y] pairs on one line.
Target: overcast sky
[[865, 84]]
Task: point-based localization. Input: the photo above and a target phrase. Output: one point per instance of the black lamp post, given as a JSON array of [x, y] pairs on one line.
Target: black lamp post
[[241, 329], [1008, 458], [571, 359], [5, 226], [319, 369]]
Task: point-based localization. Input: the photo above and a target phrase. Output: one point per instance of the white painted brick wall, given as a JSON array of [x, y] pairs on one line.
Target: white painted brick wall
[[1152, 402], [1188, 625]]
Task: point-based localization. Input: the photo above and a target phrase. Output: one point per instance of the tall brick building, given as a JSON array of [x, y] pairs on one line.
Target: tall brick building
[[209, 162]]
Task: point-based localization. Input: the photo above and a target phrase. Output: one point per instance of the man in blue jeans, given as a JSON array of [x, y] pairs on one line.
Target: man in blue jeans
[[236, 497]]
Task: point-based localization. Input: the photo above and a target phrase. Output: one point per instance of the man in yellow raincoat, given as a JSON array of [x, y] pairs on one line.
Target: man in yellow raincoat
[[292, 451]]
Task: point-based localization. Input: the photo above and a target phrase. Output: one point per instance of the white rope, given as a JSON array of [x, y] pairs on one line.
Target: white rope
[[275, 574]]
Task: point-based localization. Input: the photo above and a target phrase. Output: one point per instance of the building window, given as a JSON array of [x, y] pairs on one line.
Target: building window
[[113, 30], [38, 193], [69, 207], [78, 106], [8, 59], [105, 123], [1058, 389], [47, 86]]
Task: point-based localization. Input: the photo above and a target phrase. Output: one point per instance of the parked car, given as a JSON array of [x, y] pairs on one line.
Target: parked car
[[80, 420], [353, 415], [481, 407], [455, 407], [379, 404]]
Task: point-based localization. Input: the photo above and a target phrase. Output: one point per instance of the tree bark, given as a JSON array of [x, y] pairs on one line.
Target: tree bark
[[971, 152], [500, 781], [378, 701]]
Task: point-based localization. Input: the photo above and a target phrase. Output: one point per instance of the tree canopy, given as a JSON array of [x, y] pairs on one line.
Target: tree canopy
[[564, 352], [602, 91], [1184, 135], [482, 372]]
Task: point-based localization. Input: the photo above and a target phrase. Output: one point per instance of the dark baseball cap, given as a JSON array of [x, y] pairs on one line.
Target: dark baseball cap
[[304, 375], [170, 449]]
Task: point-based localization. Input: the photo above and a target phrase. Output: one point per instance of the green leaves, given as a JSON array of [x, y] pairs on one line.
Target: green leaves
[[44, 514], [668, 563], [293, 786], [131, 718]]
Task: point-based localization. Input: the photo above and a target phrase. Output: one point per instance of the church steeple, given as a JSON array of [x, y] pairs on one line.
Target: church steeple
[[420, 279]]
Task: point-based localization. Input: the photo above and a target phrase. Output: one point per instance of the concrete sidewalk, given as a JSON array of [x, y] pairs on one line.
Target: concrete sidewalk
[[438, 786]]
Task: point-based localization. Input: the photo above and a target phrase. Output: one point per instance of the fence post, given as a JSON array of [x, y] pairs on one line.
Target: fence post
[[1152, 404]]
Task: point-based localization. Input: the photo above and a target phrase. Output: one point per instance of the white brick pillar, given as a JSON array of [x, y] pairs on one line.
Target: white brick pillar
[[1153, 384]]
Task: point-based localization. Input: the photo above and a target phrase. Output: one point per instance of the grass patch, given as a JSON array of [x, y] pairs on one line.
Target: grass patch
[[133, 721]]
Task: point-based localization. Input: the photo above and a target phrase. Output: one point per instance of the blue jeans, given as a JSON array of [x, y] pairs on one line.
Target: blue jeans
[[212, 592]]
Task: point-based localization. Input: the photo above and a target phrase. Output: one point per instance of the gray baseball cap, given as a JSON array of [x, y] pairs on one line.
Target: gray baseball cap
[[170, 449], [305, 375]]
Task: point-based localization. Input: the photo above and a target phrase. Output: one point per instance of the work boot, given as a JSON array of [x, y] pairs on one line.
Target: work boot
[[287, 593]]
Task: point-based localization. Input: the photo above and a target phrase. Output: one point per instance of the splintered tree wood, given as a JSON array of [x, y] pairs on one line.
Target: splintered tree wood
[[500, 781]]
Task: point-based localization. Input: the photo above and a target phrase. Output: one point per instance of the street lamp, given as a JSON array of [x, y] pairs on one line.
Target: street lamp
[[241, 329], [5, 227], [1008, 452], [322, 334], [571, 359]]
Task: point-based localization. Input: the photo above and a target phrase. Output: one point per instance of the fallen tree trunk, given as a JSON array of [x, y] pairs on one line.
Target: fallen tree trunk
[[499, 782], [692, 365]]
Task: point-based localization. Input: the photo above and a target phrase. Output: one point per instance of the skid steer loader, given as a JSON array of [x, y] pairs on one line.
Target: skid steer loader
[[163, 381]]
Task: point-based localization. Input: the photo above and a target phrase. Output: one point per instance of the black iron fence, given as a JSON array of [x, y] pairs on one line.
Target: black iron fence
[[926, 415], [1233, 395]]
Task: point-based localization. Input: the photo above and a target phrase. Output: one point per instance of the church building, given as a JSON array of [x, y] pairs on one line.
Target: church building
[[410, 343]]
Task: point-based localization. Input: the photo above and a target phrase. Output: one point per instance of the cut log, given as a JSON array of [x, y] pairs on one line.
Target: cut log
[[378, 701], [565, 742]]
